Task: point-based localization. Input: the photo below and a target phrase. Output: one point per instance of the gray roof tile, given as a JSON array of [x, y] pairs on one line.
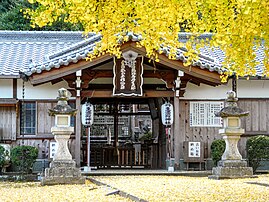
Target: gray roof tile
[[34, 52], [17, 48]]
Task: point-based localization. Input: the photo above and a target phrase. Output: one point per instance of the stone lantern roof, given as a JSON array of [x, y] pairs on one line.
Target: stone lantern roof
[[62, 106], [231, 108]]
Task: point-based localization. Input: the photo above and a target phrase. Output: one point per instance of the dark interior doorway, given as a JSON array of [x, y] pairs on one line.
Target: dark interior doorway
[[126, 133]]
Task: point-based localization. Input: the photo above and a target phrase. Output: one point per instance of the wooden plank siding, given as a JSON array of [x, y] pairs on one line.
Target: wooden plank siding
[[258, 119], [8, 123], [255, 124], [44, 121], [201, 134]]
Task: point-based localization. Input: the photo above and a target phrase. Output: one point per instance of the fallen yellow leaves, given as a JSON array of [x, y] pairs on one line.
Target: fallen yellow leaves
[[11, 191], [178, 188], [151, 188]]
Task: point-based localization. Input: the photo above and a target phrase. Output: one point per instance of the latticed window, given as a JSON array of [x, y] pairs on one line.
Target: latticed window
[[203, 114], [28, 118]]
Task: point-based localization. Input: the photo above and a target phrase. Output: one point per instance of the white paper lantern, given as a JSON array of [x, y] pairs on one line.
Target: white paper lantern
[[167, 110], [87, 114]]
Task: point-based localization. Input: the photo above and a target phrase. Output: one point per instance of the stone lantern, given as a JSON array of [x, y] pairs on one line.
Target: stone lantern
[[231, 165], [62, 169]]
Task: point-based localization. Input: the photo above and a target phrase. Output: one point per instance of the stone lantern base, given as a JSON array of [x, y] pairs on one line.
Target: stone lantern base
[[62, 172], [230, 169], [62, 169]]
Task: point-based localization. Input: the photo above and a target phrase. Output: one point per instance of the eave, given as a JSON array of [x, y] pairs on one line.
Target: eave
[[206, 76]]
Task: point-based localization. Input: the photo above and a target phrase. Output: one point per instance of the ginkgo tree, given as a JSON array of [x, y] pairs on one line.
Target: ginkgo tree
[[238, 27]]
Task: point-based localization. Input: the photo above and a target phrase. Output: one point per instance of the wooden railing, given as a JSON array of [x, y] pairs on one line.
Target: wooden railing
[[120, 157]]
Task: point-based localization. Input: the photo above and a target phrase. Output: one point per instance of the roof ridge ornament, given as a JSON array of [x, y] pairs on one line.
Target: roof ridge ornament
[[129, 58]]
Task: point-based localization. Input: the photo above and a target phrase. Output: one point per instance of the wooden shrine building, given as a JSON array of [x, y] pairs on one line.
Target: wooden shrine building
[[131, 79], [127, 94]]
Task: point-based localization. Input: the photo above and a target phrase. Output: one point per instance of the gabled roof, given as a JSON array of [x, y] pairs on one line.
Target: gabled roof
[[34, 51], [208, 59], [18, 48]]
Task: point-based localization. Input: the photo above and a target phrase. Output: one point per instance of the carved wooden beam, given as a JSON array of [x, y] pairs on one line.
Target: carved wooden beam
[[108, 93], [168, 76], [88, 75]]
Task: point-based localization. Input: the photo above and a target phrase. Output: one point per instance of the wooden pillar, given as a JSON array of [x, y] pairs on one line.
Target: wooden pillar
[[78, 120], [161, 148], [116, 135], [234, 84], [78, 132], [177, 133], [116, 122], [154, 149], [15, 87]]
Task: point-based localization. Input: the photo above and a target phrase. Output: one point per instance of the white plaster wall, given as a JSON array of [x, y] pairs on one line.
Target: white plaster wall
[[44, 91], [245, 89], [6, 88], [253, 89]]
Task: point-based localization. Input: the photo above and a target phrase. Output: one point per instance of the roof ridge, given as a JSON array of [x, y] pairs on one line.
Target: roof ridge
[[21, 35], [73, 47]]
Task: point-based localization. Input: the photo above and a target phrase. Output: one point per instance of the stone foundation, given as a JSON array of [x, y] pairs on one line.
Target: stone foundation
[[231, 169], [62, 172]]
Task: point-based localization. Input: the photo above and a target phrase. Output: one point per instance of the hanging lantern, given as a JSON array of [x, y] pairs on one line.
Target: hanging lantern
[[87, 114], [167, 114]]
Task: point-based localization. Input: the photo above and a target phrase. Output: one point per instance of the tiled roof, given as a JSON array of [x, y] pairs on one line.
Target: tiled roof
[[80, 51], [18, 48], [34, 52]]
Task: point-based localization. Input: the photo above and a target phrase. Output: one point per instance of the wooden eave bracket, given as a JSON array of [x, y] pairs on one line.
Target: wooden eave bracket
[[205, 76]]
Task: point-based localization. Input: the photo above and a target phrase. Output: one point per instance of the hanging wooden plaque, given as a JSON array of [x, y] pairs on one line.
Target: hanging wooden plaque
[[127, 78]]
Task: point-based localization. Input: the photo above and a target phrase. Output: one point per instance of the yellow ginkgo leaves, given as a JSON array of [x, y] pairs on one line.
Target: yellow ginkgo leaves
[[34, 192], [180, 188], [238, 26]]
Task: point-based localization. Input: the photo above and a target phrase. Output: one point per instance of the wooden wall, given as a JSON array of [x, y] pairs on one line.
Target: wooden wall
[[258, 120], [255, 124], [43, 136], [9, 132], [44, 121], [8, 123], [201, 134]]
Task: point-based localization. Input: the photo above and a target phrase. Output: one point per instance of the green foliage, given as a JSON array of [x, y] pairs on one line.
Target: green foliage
[[257, 150], [6, 5], [24, 157], [12, 18], [217, 149], [3, 155], [147, 136]]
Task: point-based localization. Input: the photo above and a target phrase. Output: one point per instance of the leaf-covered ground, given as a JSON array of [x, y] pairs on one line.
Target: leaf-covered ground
[[178, 188], [34, 192], [151, 188]]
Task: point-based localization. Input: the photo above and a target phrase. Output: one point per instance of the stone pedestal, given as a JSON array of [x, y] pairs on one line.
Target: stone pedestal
[[231, 164], [231, 169], [62, 169]]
